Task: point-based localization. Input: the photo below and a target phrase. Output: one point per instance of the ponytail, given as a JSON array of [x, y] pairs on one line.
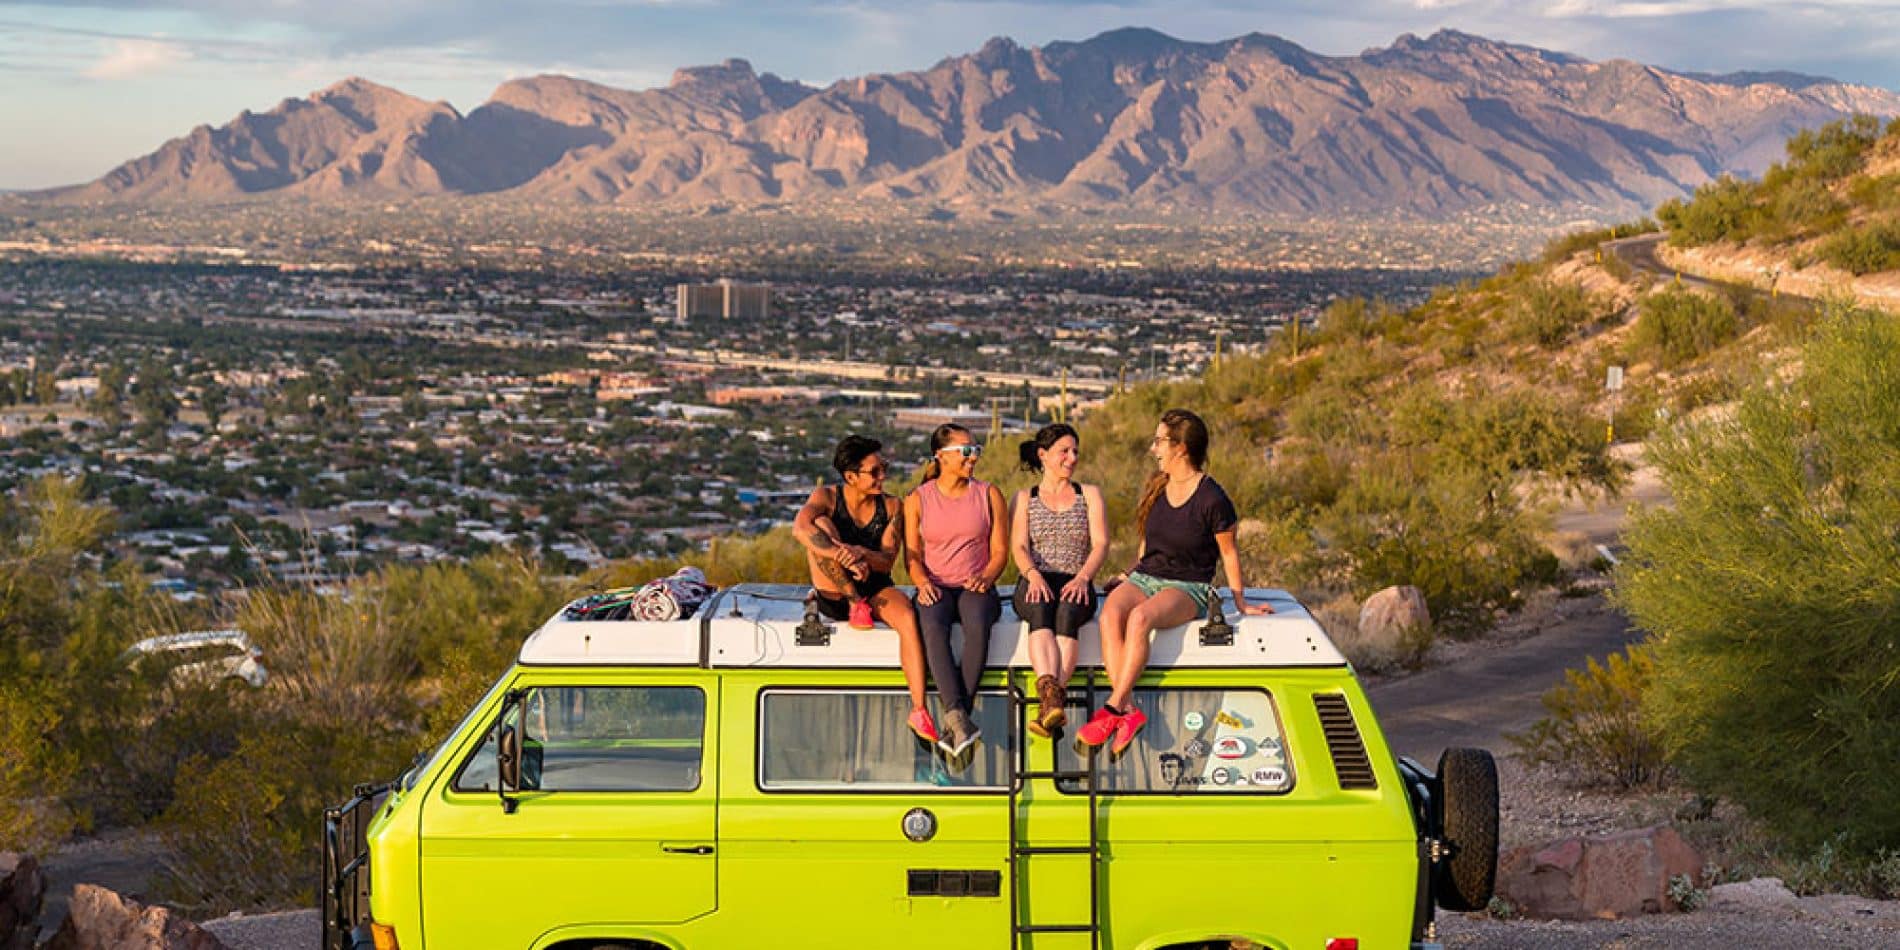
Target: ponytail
[[1150, 493], [1046, 438]]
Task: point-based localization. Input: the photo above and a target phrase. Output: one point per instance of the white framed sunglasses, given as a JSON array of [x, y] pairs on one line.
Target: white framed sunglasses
[[968, 451]]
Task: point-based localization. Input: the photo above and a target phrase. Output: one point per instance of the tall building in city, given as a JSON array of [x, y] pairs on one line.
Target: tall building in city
[[727, 299]]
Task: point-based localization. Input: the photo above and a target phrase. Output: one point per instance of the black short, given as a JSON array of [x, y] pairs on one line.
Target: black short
[[1065, 618], [839, 608]]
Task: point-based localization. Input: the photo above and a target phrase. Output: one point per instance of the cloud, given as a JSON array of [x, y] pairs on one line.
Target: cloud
[[133, 58]]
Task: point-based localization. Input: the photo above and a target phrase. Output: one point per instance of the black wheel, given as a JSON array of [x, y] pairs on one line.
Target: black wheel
[[1468, 815]]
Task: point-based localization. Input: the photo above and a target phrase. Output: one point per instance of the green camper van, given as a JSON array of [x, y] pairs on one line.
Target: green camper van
[[744, 778]]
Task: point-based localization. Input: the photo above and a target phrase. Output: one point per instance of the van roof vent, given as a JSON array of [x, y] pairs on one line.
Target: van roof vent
[[1350, 761]]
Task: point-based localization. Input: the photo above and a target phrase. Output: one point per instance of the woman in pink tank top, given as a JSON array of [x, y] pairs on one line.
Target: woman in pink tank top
[[956, 543]]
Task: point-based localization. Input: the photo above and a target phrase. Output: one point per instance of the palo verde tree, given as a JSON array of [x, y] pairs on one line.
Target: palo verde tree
[[1771, 591]]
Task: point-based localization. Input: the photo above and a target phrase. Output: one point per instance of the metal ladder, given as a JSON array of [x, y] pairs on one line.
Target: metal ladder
[[1020, 853]]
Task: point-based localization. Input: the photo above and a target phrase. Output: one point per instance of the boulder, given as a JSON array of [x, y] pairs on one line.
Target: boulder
[[100, 919], [22, 885], [1608, 876], [1388, 615]]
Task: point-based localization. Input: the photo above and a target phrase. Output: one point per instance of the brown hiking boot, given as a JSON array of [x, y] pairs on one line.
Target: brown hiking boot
[[1051, 716]]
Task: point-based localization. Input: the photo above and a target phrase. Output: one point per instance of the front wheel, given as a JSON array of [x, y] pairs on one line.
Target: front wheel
[[1468, 817]]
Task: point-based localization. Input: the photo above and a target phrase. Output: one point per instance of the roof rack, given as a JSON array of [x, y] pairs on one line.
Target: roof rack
[[758, 625]]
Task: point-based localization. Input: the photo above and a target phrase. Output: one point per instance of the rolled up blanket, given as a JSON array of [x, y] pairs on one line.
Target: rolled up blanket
[[674, 597]]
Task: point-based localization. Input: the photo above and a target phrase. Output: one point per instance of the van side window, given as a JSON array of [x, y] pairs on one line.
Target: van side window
[[856, 741], [1198, 741], [602, 739]]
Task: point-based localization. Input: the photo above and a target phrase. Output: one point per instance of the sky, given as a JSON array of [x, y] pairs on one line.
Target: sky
[[86, 85]]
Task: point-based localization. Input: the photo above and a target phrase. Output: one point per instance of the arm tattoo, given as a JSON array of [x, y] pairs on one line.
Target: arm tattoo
[[821, 541]]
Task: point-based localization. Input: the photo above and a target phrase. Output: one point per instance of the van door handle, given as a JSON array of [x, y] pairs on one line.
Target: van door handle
[[687, 848]]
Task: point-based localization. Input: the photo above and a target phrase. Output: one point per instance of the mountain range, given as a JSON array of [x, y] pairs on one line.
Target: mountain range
[[1130, 119]]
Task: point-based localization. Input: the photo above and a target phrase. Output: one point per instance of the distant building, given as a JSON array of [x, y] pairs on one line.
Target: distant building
[[725, 299], [927, 418]]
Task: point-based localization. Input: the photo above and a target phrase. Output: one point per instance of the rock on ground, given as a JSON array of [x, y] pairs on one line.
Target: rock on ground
[[100, 919], [1625, 874], [22, 886], [1390, 613]]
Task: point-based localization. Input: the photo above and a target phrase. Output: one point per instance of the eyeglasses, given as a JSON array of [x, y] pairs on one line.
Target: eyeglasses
[[875, 471], [968, 451]]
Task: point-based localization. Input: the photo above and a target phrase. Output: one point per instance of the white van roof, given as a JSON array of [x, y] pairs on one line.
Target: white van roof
[[756, 625]]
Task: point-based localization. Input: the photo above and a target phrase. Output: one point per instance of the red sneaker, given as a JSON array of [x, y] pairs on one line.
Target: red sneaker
[[1126, 729], [861, 617], [921, 724], [1098, 729]]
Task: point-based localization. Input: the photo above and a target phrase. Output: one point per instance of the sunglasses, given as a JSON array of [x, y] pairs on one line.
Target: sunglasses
[[876, 471], [967, 451]]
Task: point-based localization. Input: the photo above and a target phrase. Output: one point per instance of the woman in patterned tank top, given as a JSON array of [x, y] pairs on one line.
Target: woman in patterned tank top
[[1059, 537]]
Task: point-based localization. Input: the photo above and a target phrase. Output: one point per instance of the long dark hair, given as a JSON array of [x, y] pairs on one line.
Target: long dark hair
[[1188, 431], [1046, 439], [940, 437]]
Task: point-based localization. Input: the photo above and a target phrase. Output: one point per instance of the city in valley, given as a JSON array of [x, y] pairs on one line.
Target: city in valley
[[286, 412]]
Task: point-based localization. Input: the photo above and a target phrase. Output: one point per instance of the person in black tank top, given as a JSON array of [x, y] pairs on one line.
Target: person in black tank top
[[851, 543], [1188, 525]]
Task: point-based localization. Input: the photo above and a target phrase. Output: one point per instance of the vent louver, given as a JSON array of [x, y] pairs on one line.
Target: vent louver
[[1350, 762]]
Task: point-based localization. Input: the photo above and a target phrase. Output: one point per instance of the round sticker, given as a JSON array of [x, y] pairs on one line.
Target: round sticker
[[1225, 775], [1232, 747], [1194, 720]]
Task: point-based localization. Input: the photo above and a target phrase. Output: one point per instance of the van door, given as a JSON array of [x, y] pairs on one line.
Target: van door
[[615, 823], [851, 832]]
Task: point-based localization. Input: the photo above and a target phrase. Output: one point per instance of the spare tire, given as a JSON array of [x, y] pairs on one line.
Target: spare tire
[[1468, 819]]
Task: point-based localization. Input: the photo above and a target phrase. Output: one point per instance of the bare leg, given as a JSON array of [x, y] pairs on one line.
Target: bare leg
[[895, 610], [1167, 608], [1067, 649], [1043, 657], [1115, 609]]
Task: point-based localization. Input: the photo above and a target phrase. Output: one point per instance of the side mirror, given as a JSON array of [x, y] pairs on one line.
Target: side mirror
[[509, 757]]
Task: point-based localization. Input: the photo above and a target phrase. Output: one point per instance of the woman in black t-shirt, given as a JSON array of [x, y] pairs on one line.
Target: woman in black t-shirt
[[1187, 525]]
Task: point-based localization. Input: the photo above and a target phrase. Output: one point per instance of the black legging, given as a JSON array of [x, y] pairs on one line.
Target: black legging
[[977, 613]]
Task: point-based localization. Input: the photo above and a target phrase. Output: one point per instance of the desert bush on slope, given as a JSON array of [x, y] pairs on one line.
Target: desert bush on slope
[[1771, 592]]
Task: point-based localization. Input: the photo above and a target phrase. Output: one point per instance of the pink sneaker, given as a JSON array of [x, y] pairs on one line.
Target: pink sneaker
[[1098, 730], [861, 617], [921, 724], [1126, 729]]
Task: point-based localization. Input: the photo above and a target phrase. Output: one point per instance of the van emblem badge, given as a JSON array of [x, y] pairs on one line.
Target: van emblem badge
[[1269, 776], [1231, 747], [1225, 775], [1193, 720], [920, 824]]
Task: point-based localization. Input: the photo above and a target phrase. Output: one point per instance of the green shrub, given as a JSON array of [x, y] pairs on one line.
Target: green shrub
[[1835, 150], [1593, 723], [1547, 312], [1677, 325], [1721, 210], [1771, 590], [1867, 249], [1440, 528], [1808, 206], [35, 772], [1875, 193]]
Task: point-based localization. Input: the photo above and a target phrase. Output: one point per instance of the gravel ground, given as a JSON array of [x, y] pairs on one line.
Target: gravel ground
[[294, 930], [1742, 924]]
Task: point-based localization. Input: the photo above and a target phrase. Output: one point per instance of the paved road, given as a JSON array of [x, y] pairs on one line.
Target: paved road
[[1475, 701]]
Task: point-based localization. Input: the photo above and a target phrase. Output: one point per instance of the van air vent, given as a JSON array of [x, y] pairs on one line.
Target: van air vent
[[1350, 762]]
